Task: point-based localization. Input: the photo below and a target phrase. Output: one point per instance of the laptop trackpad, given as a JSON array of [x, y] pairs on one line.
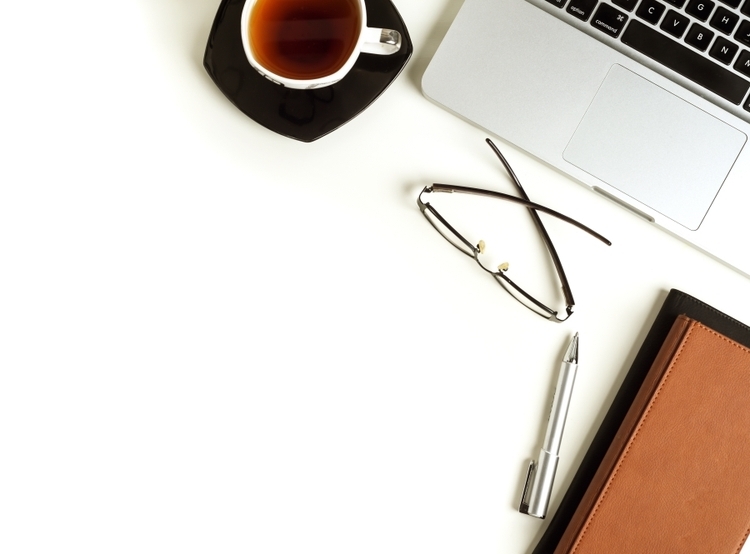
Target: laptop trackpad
[[654, 147]]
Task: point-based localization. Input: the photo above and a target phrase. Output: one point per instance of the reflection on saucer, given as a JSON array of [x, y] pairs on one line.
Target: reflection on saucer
[[304, 115]]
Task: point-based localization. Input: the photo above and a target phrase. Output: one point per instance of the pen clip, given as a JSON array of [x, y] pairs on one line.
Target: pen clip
[[524, 506], [538, 488]]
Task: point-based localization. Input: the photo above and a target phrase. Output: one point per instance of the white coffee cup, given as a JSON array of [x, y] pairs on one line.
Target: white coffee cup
[[299, 37]]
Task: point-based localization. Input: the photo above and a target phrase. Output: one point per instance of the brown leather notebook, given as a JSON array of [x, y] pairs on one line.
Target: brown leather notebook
[[675, 478]]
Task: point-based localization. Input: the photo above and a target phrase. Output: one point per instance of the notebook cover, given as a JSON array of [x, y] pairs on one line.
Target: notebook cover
[[676, 303], [673, 478]]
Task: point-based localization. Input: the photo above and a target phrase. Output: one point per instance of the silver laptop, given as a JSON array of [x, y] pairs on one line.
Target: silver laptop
[[647, 102]]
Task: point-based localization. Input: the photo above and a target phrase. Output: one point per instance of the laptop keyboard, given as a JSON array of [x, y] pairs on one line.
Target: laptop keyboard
[[706, 42]]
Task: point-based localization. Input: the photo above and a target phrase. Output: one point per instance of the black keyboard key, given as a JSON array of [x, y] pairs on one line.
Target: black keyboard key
[[724, 20], [699, 37], [675, 23], [743, 33], [609, 20], [651, 11], [558, 3], [625, 4], [700, 9], [732, 3], [743, 63], [679, 3], [582, 9], [745, 9], [723, 50], [684, 61]]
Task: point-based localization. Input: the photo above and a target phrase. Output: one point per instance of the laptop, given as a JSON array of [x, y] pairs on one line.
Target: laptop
[[646, 102]]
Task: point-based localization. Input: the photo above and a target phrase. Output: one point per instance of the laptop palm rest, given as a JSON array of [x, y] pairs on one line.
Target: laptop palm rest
[[654, 147]]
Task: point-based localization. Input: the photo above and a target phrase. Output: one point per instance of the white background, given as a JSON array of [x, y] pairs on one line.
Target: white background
[[217, 339]]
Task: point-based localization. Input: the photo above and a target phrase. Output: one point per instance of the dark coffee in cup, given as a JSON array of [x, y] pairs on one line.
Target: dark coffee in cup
[[304, 39], [308, 44]]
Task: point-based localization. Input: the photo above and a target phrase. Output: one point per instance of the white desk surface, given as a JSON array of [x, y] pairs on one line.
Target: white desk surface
[[217, 339]]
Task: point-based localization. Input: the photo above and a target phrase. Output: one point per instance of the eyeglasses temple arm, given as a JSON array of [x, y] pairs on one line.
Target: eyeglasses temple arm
[[441, 187], [567, 292]]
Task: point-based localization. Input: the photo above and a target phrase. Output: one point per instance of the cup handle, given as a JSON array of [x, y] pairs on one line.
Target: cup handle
[[381, 41]]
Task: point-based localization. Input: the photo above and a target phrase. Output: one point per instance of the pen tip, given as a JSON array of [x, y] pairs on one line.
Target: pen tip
[[571, 356]]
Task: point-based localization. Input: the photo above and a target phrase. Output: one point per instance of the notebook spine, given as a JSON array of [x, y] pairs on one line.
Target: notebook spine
[[587, 507]]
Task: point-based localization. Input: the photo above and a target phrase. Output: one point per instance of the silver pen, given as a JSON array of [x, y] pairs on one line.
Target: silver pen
[[541, 475]]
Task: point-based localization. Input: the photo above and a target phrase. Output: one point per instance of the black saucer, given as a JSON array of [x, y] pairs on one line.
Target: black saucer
[[304, 115]]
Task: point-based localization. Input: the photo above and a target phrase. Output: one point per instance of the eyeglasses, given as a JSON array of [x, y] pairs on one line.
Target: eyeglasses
[[500, 274]]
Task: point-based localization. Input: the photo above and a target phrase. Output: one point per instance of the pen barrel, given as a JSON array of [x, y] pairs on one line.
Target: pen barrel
[[559, 411]]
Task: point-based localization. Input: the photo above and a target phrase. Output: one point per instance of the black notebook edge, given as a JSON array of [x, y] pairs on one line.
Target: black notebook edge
[[675, 304]]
